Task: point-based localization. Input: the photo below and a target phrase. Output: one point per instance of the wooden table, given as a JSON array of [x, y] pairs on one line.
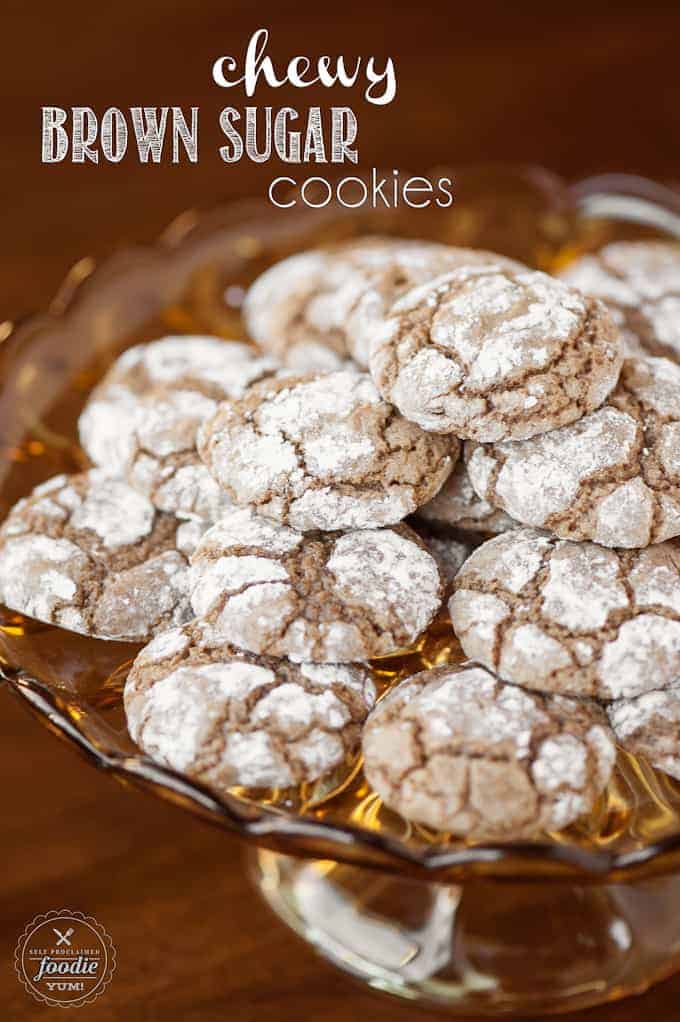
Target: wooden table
[[587, 88]]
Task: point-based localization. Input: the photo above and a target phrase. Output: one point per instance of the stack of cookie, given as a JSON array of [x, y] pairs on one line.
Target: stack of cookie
[[246, 511]]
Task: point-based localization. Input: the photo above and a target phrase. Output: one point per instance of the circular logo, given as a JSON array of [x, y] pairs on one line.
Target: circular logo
[[65, 958]]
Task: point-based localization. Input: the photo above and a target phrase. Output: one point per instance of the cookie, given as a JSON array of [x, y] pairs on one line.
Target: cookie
[[208, 366], [460, 751], [576, 618], [490, 354], [640, 283], [163, 462], [332, 297], [612, 477], [227, 718], [89, 554], [649, 726], [458, 505], [324, 597], [323, 452], [450, 551]]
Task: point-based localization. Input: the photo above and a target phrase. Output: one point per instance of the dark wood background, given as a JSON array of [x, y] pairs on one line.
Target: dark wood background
[[579, 88]]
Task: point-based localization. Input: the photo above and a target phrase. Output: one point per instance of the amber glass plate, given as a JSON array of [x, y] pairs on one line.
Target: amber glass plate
[[192, 281]]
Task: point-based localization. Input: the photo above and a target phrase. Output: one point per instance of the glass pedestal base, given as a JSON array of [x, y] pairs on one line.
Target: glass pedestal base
[[484, 948]]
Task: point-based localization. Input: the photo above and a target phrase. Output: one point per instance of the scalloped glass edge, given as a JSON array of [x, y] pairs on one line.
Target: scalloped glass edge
[[611, 196]]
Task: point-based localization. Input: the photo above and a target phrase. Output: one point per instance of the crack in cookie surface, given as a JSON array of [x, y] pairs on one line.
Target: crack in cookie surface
[[491, 354], [163, 461], [458, 505], [331, 298], [613, 477], [461, 751], [88, 553], [640, 283], [324, 597], [323, 452], [577, 618], [209, 367], [649, 725], [227, 717]]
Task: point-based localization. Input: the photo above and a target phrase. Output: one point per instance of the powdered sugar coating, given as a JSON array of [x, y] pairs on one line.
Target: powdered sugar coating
[[207, 366], [332, 297], [163, 462], [323, 452], [649, 725], [570, 617], [449, 551], [640, 283], [460, 751], [90, 554], [322, 597], [490, 354], [227, 718], [458, 505], [612, 477]]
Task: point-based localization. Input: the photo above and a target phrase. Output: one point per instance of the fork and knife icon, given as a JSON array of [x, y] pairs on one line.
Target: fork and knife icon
[[64, 938]]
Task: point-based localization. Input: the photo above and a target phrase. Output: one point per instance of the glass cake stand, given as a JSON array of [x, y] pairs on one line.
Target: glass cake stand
[[568, 920]]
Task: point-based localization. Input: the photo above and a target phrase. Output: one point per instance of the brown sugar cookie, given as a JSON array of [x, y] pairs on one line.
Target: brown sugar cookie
[[450, 551], [89, 554], [460, 751], [323, 452], [576, 618], [331, 298], [163, 462], [492, 354], [640, 283], [649, 726], [324, 597], [458, 505], [226, 717], [612, 477], [207, 366]]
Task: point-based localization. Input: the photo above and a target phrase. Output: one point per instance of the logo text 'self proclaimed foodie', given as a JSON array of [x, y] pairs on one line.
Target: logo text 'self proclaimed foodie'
[[318, 135], [64, 958]]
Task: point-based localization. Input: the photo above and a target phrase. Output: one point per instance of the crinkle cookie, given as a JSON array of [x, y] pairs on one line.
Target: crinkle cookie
[[458, 505], [226, 718], [208, 366], [88, 553], [324, 597], [576, 618], [640, 283], [323, 452], [163, 462], [458, 750], [449, 550], [649, 726], [613, 476], [490, 354], [332, 297]]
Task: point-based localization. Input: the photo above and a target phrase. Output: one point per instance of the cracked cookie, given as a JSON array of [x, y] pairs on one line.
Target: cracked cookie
[[208, 366], [323, 452], [227, 718], [324, 597], [332, 298], [163, 462], [640, 283], [449, 551], [576, 618], [490, 354], [89, 554], [460, 751], [458, 505], [612, 477], [649, 726]]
